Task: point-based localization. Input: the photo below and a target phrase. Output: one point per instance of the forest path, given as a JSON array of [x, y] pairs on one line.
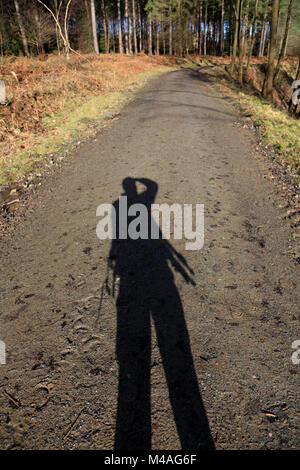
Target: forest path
[[64, 351]]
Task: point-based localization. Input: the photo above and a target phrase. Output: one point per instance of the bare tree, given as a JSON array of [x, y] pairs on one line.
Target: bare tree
[[254, 24], [94, 26], [40, 45], [263, 36], [268, 82], [205, 30], [149, 36], [140, 27], [63, 30], [121, 50], [237, 10], [200, 28], [21, 26], [222, 29], [105, 29], [134, 27], [39, 28], [284, 41], [170, 31], [126, 27], [157, 37], [241, 41]]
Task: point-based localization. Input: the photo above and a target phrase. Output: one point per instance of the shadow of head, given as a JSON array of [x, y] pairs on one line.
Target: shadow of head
[[129, 186]]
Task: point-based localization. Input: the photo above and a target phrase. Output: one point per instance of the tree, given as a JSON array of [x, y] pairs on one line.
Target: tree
[[241, 42], [252, 41], [94, 27], [134, 27], [140, 27], [237, 8], [180, 27], [222, 29], [205, 29], [170, 31], [39, 40], [126, 28], [21, 26], [263, 35], [63, 30], [106, 33], [268, 82], [149, 36], [121, 50], [284, 41]]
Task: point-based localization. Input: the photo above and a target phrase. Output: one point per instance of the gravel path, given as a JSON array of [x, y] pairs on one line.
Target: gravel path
[[193, 357]]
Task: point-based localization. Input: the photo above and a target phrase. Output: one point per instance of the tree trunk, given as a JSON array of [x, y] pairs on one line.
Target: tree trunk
[[222, 29], [245, 27], [205, 30], [268, 82], [126, 28], [284, 42], [21, 26], [129, 35], [121, 50], [113, 35], [241, 41], [200, 28], [134, 27], [108, 33], [263, 35], [149, 36], [106, 39], [236, 34], [252, 35], [140, 28], [157, 37], [94, 27], [214, 31], [162, 26], [170, 32], [38, 27], [264, 40], [58, 43]]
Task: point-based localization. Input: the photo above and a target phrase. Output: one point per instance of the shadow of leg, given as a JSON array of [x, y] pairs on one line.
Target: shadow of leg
[[133, 426], [185, 397]]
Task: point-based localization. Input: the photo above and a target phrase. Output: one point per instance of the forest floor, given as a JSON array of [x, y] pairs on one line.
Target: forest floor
[[87, 348], [52, 103], [279, 130]]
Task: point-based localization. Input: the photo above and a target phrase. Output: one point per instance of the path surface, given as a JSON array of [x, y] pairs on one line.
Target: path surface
[[202, 363]]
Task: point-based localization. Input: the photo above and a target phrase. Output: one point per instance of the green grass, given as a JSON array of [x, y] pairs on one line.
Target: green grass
[[65, 127], [277, 128]]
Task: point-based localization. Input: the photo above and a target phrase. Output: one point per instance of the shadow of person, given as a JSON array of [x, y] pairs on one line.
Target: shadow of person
[[147, 288]]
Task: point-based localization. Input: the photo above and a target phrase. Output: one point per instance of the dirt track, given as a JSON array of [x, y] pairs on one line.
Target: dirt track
[[218, 352]]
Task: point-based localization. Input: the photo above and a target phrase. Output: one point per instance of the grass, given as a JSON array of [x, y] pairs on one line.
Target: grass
[[52, 103], [278, 129], [62, 128]]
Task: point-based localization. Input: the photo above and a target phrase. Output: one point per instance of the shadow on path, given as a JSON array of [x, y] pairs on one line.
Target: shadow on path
[[147, 288]]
